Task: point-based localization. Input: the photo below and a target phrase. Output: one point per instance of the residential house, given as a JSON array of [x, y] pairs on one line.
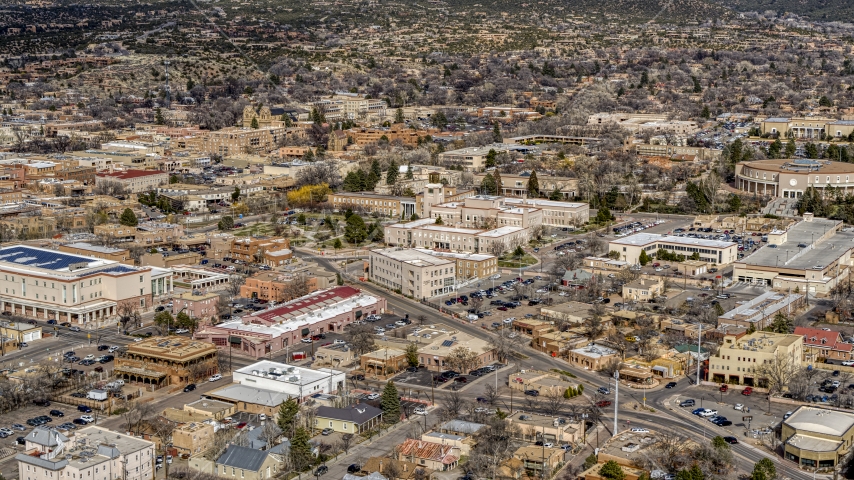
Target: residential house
[[248, 463], [434, 456], [402, 469], [353, 419], [540, 461], [535, 427], [643, 289], [824, 344], [592, 357]]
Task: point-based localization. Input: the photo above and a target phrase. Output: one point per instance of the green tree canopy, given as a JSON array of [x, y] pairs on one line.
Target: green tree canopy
[[286, 419], [519, 252], [496, 133], [487, 185], [533, 185], [612, 470], [390, 403], [764, 470], [128, 218], [412, 355], [356, 231], [392, 173], [337, 245], [235, 195], [300, 451], [226, 223], [643, 258]]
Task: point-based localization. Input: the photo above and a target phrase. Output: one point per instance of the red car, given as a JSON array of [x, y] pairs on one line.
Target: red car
[[724, 387], [747, 391], [460, 379], [603, 403], [503, 309], [241, 424]]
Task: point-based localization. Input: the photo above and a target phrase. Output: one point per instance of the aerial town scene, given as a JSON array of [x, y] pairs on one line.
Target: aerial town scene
[[427, 240]]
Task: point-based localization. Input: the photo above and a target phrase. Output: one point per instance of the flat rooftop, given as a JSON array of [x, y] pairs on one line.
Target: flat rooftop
[[478, 257], [650, 238], [412, 257], [764, 305], [789, 255], [820, 420], [536, 202], [171, 348], [285, 373]]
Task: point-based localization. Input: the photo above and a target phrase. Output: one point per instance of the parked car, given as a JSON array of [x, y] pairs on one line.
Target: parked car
[[532, 393], [731, 440], [56, 413], [84, 409], [747, 391], [603, 403], [687, 403], [321, 470], [724, 387], [373, 396], [190, 387], [353, 468], [604, 390], [214, 378], [327, 431], [670, 385]]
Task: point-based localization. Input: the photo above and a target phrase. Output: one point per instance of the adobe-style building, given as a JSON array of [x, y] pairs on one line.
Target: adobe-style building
[[163, 361]]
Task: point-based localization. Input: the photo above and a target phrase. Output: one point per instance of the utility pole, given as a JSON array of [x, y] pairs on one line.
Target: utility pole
[[699, 339], [616, 398]]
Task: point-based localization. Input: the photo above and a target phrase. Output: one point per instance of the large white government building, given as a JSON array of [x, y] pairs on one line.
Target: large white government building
[[48, 284], [716, 252]]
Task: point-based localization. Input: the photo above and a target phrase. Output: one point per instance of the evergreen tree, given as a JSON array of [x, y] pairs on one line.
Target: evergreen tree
[[235, 195], [412, 355], [705, 113], [348, 213], [499, 184], [392, 173], [409, 174], [556, 195], [791, 148], [735, 150], [398, 116], [811, 150], [301, 219], [496, 133], [286, 419], [390, 403], [775, 149], [643, 258], [158, 117], [308, 156], [226, 223], [490, 157], [612, 470], [533, 185], [764, 470], [254, 123], [300, 450], [337, 245], [128, 218], [487, 185], [355, 231], [439, 220]]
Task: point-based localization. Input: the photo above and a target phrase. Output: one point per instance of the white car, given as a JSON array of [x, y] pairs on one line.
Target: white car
[[420, 411], [640, 430], [400, 323], [659, 269], [137, 339], [182, 330], [708, 413], [480, 410], [373, 396], [548, 444], [848, 363], [113, 349], [88, 418], [739, 406], [564, 294], [379, 330], [542, 290], [89, 357], [338, 341], [496, 276], [513, 335], [306, 340], [215, 378]]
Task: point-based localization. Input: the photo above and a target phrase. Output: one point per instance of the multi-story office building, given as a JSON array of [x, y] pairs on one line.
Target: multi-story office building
[[415, 273], [368, 202], [238, 140], [48, 284], [426, 234], [136, 181], [718, 252], [93, 453], [469, 265], [740, 358]]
